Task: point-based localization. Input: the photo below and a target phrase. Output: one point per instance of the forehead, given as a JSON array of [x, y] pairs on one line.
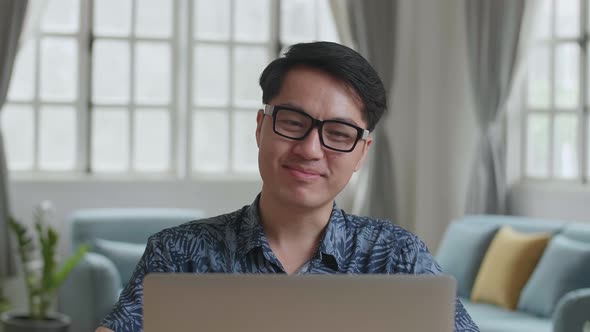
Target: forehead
[[320, 94]]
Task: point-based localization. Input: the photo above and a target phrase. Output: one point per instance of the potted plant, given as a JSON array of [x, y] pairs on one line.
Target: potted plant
[[4, 305], [42, 275]]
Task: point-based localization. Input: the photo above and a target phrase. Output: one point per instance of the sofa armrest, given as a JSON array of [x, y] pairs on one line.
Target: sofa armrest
[[90, 292], [572, 311]]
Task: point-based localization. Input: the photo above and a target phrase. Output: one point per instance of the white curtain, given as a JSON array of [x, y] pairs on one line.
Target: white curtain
[[12, 15], [498, 34], [370, 27]]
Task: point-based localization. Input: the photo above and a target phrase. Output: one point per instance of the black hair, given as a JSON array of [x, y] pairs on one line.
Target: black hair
[[340, 61]]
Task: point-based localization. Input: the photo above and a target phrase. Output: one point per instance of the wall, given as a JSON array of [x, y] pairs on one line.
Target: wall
[[563, 201]]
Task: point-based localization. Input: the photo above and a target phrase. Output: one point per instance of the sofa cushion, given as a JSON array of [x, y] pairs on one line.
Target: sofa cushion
[[462, 250], [565, 266], [521, 224], [507, 266], [124, 255], [577, 231], [490, 318]]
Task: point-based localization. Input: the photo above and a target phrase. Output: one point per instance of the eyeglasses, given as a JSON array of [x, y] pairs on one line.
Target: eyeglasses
[[295, 124]]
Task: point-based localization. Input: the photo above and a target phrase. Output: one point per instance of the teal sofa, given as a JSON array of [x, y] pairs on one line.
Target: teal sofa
[[117, 239], [556, 297]]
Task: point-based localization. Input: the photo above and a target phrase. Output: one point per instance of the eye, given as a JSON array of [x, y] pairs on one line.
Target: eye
[[339, 135], [290, 123]]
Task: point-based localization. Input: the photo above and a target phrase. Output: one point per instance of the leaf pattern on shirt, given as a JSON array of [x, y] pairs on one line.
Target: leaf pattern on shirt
[[235, 243]]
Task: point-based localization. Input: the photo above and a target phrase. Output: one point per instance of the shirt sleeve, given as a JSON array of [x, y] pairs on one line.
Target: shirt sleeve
[[422, 262], [127, 313]]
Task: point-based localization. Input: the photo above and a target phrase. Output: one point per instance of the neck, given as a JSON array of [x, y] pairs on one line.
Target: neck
[[287, 224]]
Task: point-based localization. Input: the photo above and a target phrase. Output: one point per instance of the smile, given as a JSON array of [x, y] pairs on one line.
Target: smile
[[303, 174]]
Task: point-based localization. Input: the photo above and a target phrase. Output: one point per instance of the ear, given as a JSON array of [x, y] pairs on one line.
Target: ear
[[366, 147], [259, 118]]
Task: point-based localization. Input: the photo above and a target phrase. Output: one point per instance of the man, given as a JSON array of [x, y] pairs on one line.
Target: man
[[321, 102]]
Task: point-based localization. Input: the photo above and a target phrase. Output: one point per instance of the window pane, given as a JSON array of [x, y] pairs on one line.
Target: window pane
[[327, 26], [212, 19], [152, 140], [248, 64], [18, 130], [22, 82], [112, 17], [110, 140], [154, 18], [537, 158], [565, 148], [542, 28], [210, 141], [211, 75], [245, 150], [152, 73], [567, 58], [60, 16], [297, 21], [110, 72], [251, 22], [567, 18], [539, 88], [57, 138], [59, 69]]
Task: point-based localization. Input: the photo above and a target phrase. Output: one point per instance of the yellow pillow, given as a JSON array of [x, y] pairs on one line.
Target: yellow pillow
[[507, 266]]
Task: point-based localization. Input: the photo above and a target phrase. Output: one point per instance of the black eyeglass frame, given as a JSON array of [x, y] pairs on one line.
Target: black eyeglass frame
[[272, 110]]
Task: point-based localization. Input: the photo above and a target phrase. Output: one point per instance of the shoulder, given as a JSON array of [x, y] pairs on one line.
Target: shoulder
[[382, 232], [406, 252]]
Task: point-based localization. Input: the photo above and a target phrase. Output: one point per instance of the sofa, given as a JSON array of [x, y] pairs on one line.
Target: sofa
[[556, 295], [117, 239]]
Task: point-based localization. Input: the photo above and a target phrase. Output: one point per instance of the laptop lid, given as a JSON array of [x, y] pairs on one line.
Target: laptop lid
[[265, 303]]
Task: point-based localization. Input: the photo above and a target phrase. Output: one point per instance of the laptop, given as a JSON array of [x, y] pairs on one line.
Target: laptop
[[271, 303]]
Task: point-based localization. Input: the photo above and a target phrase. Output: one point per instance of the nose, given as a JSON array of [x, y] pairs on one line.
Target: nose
[[310, 147]]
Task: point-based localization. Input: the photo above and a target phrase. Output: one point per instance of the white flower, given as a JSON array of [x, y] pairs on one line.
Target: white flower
[[46, 207]]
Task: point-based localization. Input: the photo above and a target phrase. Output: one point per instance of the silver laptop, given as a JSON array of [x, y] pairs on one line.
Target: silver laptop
[[271, 303]]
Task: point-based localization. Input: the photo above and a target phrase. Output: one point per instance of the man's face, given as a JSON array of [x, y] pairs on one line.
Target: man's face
[[304, 173]]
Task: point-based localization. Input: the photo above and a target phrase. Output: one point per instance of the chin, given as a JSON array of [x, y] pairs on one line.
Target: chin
[[304, 198]]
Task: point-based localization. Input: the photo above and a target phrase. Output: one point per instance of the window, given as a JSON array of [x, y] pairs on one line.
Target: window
[[149, 86], [556, 125]]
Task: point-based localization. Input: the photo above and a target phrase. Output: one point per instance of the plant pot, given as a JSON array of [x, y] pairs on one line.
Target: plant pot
[[19, 322]]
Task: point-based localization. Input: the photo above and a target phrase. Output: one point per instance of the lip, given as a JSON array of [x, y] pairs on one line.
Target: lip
[[303, 173]]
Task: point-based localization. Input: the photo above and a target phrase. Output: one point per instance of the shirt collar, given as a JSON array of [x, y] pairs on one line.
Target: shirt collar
[[333, 244]]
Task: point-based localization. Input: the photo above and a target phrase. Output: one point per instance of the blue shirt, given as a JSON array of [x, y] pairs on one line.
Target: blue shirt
[[235, 243]]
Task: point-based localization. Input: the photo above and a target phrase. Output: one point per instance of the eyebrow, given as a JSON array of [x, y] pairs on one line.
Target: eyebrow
[[299, 108]]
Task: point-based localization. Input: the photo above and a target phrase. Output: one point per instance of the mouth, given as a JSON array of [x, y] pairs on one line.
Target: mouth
[[304, 173]]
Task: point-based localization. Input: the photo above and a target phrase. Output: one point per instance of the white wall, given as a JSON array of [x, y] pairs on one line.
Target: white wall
[[562, 201]]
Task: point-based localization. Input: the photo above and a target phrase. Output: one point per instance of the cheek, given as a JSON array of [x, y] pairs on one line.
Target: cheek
[[271, 149], [341, 165], [344, 165]]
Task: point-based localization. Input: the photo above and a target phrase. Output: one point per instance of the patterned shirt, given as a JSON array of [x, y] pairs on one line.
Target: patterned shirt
[[235, 243]]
